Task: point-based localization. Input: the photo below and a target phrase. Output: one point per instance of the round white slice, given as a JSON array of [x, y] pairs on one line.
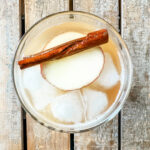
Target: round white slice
[[62, 38], [76, 71]]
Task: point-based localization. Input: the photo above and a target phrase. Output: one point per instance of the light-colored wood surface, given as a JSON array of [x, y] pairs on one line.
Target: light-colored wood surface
[[106, 9], [105, 136], [136, 112], [10, 110], [39, 137]]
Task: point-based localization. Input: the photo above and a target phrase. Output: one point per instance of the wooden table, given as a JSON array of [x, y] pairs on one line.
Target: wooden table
[[130, 130]]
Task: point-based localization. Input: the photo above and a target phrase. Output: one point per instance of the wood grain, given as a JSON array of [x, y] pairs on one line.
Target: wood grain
[[39, 137], [105, 136], [136, 112], [10, 109]]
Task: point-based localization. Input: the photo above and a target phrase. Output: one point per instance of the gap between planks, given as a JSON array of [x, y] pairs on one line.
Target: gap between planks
[[119, 115], [22, 31], [71, 135]]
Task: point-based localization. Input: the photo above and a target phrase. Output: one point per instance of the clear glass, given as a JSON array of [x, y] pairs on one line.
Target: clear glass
[[59, 18]]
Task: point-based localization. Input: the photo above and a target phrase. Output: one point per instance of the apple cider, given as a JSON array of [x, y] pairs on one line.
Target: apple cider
[[79, 104]]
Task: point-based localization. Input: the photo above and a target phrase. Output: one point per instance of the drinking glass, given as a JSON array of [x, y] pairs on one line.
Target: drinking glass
[[56, 19]]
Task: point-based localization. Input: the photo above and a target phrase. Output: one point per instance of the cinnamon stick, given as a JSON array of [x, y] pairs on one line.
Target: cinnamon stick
[[69, 48]]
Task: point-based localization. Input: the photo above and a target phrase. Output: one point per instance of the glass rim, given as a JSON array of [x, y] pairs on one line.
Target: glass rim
[[115, 110]]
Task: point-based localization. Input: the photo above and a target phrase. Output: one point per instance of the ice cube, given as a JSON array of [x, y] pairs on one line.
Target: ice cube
[[68, 107], [40, 91], [32, 78], [41, 99], [44, 95], [96, 102], [109, 75]]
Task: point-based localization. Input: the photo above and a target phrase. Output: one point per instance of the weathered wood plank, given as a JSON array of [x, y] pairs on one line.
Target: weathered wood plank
[[39, 137], [105, 136], [10, 109], [106, 9], [136, 112]]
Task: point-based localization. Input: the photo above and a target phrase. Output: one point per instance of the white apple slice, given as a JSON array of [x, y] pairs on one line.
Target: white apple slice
[[62, 38], [76, 71]]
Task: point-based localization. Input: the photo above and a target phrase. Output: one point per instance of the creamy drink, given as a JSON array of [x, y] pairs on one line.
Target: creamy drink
[[77, 89]]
